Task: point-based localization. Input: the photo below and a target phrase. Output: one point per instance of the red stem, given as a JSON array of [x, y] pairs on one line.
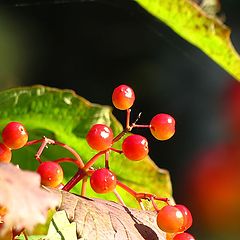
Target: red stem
[[93, 160], [128, 118], [154, 204], [76, 155], [41, 148], [33, 142], [67, 159], [140, 126], [107, 159], [140, 196], [126, 188], [166, 200], [84, 186], [116, 150], [120, 135], [74, 180], [46, 141]]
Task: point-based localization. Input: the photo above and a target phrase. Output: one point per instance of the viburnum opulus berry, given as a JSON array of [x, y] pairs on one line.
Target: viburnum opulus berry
[[100, 137], [14, 135], [170, 219], [162, 126], [135, 147], [183, 236], [51, 173], [5, 153], [123, 97], [103, 180], [187, 217]]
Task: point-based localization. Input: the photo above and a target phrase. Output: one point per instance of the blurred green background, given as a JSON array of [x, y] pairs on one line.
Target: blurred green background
[[92, 46]]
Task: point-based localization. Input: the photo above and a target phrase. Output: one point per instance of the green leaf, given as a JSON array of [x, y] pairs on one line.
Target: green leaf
[[60, 228], [62, 115], [33, 237], [206, 32]]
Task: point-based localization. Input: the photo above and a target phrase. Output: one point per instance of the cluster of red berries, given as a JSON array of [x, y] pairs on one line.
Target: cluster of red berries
[[174, 220]]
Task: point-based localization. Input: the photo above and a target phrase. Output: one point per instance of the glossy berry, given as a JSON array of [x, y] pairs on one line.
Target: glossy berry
[[123, 97], [162, 126], [183, 236], [103, 181], [187, 216], [5, 153], [170, 219], [14, 135], [51, 174], [135, 147], [100, 137]]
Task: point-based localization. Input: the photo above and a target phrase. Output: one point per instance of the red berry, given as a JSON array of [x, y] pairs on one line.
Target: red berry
[[183, 236], [100, 137], [103, 181], [123, 97], [135, 147], [170, 219], [162, 126], [5, 153], [51, 174], [14, 135], [187, 222]]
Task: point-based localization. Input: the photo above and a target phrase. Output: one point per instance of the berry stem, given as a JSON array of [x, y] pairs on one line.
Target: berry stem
[[74, 180], [33, 142], [46, 141], [119, 197], [128, 118], [93, 160], [107, 153], [154, 204], [140, 126], [71, 150], [166, 200], [116, 150], [128, 126], [126, 188], [140, 196], [67, 159], [84, 186], [120, 135]]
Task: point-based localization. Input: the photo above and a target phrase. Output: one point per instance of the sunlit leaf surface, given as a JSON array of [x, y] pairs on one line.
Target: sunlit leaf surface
[[205, 31]]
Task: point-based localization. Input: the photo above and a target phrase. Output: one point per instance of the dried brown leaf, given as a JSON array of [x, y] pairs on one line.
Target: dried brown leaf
[[99, 219]]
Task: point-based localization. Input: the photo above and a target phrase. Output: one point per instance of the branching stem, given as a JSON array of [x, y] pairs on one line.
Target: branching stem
[[45, 141]]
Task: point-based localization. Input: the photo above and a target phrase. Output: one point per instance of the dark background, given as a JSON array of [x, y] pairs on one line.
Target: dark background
[[93, 46]]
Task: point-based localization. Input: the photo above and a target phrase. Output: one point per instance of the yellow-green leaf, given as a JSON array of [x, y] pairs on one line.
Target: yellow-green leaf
[[206, 32]]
